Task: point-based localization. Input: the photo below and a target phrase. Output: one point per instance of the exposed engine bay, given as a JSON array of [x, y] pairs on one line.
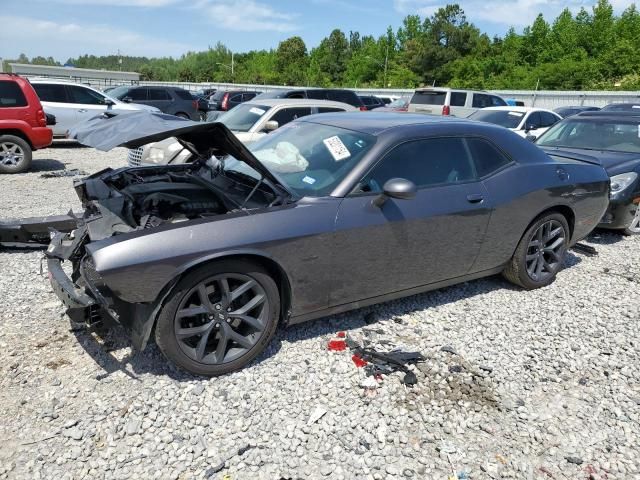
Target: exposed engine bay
[[130, 199]]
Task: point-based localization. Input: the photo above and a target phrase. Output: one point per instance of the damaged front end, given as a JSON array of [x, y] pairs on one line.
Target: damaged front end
[[128, 203]]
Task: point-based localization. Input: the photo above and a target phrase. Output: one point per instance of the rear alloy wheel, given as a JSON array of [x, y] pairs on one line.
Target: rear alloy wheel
[[219, 318], [540, 253], [634, 226], [15, 154]]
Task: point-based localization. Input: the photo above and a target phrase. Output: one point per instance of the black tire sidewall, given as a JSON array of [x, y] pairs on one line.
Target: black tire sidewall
[[521, 252], [164, 333], [26, 148]]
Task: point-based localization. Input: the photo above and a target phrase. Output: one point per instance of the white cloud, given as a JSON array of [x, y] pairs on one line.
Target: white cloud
[[518, 13], [247, 16], [119, 3], [31, 36]]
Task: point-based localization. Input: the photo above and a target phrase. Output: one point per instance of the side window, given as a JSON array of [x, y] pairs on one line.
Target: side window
[[84, 96], [317, 94], [533, 120], [458, 99], [137, 94], [329, 109], [50, 92], [287, 115], [486, 157], [497, 101], [344, 97], [427, 162], [235, 99], [480, 100], [248, 96], [296, 94], [11, 95], [548, 119], [158, 94]]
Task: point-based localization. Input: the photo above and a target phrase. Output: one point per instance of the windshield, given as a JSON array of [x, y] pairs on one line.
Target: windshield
[[119, 92], [617, 136], [310, 158], [504, 118], [243, 117]]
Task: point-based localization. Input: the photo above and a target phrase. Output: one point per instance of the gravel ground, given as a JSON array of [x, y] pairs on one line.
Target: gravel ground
[[531, 385]]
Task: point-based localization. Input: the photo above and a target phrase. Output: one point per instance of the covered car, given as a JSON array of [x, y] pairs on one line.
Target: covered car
[[328, 213]]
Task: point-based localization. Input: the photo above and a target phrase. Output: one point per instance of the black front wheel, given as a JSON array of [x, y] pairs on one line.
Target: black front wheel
[[540, 253], [219, 318]]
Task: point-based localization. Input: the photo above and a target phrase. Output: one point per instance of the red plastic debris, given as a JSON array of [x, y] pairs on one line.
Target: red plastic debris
[[341, 334], [337, 345], [358, 361]]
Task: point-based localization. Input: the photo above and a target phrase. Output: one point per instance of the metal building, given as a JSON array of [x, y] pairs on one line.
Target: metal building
[[95, 78]]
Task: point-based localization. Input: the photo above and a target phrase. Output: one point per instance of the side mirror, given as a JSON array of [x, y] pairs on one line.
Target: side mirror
[[127, 99], [270, 126], [399, 188], [108, 102], [531, 138]]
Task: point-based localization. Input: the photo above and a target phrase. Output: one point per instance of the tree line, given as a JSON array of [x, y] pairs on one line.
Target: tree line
[[593, 49]]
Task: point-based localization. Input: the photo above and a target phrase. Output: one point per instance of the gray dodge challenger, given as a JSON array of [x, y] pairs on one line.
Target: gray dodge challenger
[[329, 213]]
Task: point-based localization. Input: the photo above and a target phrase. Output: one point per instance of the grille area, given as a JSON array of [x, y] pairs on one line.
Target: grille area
[[135, 157]]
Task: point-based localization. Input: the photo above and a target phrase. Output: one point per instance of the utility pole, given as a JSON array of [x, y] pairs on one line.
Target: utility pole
[[232, 65], [386, 63]]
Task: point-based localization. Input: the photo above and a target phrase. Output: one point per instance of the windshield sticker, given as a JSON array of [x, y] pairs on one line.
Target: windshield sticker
[[516, 114], [309, 180], [336, 148], [257, 111]]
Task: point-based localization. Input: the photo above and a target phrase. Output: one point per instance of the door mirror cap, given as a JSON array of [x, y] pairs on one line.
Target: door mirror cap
[[109, 102], [399, 188], [271, 125]]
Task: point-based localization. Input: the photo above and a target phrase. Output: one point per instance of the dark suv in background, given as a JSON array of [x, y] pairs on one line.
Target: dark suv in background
[[371, 101], [172, 100], [334, 94], [224, 100]]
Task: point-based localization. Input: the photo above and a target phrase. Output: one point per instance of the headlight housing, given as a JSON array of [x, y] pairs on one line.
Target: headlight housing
[[621, 182]]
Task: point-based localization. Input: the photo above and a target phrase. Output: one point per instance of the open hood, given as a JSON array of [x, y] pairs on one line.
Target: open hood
[[134, 129]]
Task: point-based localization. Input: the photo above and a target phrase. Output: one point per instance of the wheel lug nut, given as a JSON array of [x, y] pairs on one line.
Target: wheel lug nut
[[217, 325], [218, 307]]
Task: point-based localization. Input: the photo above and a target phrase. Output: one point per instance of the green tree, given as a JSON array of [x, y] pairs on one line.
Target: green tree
[[292, 61]]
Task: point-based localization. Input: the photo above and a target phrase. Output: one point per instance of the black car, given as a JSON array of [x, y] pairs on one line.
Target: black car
[[370, 101], [622, 107], [335, 94], [172, 100], [572, 110], [612, 139], [328, 213], [225, 100]]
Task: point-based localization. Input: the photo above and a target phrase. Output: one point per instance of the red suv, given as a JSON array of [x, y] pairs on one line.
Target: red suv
[[23, 124]]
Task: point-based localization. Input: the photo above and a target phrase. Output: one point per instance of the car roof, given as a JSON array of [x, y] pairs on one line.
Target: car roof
[[519, 109], [275, 102], [607, 114], [374, 123]]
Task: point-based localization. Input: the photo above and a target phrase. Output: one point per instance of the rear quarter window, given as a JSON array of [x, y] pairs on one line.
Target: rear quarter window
[[183, 94], [11, 95], [51, 92], [486, 156], [458, 99], [429, 98]]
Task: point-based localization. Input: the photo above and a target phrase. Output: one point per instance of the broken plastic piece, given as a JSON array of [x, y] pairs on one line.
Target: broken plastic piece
[[336, 345], [410, 379], [586, 249], [358, 361]]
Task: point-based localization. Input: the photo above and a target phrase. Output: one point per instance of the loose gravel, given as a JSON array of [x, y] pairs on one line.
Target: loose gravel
[[527, 385]]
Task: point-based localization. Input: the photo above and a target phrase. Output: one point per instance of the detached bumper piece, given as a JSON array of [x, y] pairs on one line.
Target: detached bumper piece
[[81, 306], [34, 232]]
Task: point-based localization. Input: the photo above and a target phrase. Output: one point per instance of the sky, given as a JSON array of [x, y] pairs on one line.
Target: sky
[[69, 28]]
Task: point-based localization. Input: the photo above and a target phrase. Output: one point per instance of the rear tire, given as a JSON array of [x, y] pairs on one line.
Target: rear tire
[[15, 154], [219, 318], [540, 253]]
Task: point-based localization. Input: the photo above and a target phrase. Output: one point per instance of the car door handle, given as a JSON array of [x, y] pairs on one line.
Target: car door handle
[[475, 198], [82, 110]]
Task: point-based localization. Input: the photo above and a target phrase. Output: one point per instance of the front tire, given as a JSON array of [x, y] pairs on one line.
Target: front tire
[[15, 154], [219, 318], [540, 253]]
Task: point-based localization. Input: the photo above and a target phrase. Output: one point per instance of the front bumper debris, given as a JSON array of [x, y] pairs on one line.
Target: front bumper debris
[[34, 232], [619, 214]]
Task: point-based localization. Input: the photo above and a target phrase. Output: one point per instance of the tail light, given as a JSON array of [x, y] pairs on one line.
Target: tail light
[[446, 110], [363, 108], [225, 102], [41, 118]]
